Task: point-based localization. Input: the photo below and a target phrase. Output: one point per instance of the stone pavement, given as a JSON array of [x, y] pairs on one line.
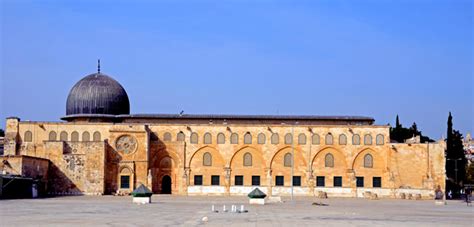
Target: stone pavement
[[189, 211]]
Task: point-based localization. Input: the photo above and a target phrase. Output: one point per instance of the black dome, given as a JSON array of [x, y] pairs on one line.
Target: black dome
[[97, 94]]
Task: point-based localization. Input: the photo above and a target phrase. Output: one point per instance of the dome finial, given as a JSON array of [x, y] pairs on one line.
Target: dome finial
[[98, 66]]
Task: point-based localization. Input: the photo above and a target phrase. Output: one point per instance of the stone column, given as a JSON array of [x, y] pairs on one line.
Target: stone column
[[227, 172], [269, 181], [310, 182], [186, 179]]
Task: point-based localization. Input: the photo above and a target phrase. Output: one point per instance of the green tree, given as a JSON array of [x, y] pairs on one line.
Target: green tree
[[455, 157], [400, 134]]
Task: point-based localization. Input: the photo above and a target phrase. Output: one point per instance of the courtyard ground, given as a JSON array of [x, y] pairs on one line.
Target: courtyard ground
[[189, 211]]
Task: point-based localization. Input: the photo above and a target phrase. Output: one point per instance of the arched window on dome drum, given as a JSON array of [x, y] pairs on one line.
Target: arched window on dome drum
[[328, 139], [302, 138], [52, 136], [261, 138], [248, 138], [167, 137], [194, 138], [28, 136], [180, 136], [207, 138], [275, 139], [247, 159], [86, 137], [342, 139], [329, 160], [287, 160], [234, 138], [368, 161], [74, 136], [96, 137], [288, 138], [380, 139], [355, 139], [315, 139], [368, 139], [220, 138], [207, 159], [63, 136]]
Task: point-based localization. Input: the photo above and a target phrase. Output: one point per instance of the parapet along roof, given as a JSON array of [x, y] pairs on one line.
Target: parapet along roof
[[289, 119]]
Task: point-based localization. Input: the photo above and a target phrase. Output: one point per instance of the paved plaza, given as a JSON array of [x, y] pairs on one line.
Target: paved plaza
[[189, 211]]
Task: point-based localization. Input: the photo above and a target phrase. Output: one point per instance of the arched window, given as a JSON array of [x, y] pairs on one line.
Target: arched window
[[194, 138], [315, 139], [287, 160], [220, 138], [180, 136], [301, 138], [234, 138], [247, 159], [207, 138], [261, 138], [74, 136], [355, 139], [167, 136], [368, 139], [63, 136], [125, 179], [86, 137], [328, 139], [275, 139], [379, 139], [248, 138], [329, 160], [28, 136], [288, 138], [342, 139], [368, 161], [52, 136], [96, 137], [207, 159]]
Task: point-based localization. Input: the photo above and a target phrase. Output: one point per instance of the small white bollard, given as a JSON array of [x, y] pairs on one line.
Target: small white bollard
[[213, 209], [242, 208], [223, 209]]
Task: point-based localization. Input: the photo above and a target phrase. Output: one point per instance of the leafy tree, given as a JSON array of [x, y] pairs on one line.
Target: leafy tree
[[400, 134], [455, 157]]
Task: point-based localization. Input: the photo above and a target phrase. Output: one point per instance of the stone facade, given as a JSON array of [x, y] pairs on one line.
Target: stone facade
[[195, 157]]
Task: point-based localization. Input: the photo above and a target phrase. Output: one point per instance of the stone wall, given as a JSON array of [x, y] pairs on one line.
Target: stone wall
[[156, 153], [76, 167]]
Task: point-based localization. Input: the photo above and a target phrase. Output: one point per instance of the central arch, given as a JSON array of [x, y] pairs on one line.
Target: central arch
[[248, 163]]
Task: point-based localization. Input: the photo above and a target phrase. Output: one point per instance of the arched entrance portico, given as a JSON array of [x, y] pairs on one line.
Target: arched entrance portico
[[166, 185]]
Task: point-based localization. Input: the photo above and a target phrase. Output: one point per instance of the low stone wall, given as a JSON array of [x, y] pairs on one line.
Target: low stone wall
[[245, 190], [305, 191], [206, 190]]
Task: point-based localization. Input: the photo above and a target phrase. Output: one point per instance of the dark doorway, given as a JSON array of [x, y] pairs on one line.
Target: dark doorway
[[166, 185]]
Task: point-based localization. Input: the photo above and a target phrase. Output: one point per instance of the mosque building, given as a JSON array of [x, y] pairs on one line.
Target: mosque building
[[99, 147]]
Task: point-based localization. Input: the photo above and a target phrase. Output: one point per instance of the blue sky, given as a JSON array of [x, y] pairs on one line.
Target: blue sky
[[370, 58]]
